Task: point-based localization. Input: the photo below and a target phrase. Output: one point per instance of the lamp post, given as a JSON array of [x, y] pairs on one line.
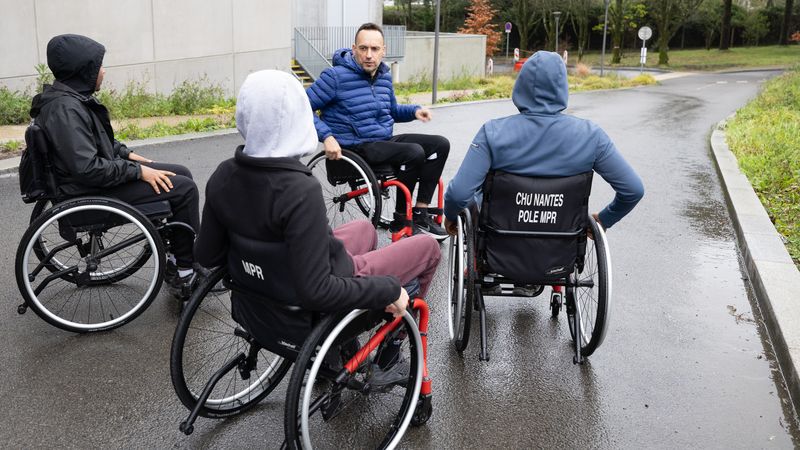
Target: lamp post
[[605, 29], [557, 14], [436, 54]]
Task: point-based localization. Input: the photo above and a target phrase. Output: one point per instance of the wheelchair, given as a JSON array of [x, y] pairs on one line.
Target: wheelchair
[[354, 190], [89, 263], [336, 395], [531, 231]]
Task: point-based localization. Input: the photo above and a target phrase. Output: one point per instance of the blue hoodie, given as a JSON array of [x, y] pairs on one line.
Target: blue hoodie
[[356, 108], [540, 141]]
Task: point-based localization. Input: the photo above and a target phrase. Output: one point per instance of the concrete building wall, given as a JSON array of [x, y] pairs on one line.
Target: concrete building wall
[[459, 55], [159, 43]]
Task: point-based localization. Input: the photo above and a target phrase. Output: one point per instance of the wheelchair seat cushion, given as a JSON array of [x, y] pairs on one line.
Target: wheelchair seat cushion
[[155, 210], [532, 229]]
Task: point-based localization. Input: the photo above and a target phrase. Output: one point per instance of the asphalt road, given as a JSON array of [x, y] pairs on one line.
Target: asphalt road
[[684, 365]]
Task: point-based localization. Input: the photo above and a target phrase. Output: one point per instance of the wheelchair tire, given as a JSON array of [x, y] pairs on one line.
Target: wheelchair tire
[[368, 408], [94, 246], [342, 177], [461, 282], [41, 248], [388, 205], [205, 340], [593, 303]]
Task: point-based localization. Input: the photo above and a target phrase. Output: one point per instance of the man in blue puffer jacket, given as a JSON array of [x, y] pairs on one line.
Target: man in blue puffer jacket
[[358, 111], [540, 141]]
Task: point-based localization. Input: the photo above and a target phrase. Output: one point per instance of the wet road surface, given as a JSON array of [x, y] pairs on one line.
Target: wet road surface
[[684, 363]]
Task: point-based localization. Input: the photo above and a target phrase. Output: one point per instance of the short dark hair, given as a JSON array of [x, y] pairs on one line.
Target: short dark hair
[[368, 26]]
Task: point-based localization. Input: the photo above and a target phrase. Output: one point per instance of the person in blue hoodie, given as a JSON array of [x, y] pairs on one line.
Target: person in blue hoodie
[[541, 141], [358, 109]]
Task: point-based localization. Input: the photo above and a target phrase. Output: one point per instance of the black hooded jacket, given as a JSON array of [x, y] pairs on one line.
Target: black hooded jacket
[[86, 156]]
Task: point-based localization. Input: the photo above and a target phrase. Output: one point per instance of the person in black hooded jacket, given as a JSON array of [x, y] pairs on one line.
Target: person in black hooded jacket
[[88, 160]]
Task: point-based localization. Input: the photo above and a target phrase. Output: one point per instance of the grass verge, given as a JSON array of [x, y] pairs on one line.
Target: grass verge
[[701, 59], [765, 137], [500, 86]]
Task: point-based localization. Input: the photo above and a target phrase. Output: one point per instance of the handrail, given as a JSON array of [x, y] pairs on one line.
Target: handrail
[[308, 56], [312, 45]]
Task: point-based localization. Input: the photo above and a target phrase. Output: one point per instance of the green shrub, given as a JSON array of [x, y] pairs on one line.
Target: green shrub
[[764, 136], [14, 107], [193, 96]]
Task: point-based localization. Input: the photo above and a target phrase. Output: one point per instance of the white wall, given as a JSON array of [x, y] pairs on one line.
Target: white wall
[[459, 55], [157, 42]]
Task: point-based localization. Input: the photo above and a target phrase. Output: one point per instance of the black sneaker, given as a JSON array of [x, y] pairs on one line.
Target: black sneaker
[[397, 223], [181, 287], [423, 223], [170, 272]]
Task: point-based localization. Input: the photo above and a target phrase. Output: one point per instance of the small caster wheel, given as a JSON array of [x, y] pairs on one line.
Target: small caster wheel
[[186, 429], [22, 309], [423, 411], [556, 301]]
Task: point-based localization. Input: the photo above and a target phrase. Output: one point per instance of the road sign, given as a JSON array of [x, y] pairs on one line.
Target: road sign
[[508, 27], [645, 33], [643, 56], [516, 54]]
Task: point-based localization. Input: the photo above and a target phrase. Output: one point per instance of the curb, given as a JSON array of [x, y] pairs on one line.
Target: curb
[[772, 273], [10, 165]]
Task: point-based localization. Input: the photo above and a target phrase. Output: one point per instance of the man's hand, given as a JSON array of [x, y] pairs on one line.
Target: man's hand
[[158, 179], [332, 149], [423, 114], [398, 307], [451, 227], [596, 219], [138, 158]]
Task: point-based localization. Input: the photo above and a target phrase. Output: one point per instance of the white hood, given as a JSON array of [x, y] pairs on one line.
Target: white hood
[[274, 116]]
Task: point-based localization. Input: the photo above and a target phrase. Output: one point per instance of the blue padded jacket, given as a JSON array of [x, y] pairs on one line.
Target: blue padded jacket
[[354, 107]]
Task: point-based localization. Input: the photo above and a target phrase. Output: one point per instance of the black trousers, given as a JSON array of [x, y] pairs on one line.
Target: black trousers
[[183, 198], [414, 157]]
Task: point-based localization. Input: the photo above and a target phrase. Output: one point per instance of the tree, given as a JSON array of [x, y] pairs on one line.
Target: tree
[[787, 22], [479, 21], [617, 14], [725, 30], [755, 27], [709, 17], [669, 15], [580, 10], [524, 17]]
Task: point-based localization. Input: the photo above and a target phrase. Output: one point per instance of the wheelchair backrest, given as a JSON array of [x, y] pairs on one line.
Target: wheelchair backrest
[[263, 296], [533, 229], [36, 178]]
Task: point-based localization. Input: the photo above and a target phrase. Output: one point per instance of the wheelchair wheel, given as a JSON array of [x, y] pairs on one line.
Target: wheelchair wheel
[[592, 300], [206, 340], [461, 283], [388, 205], [128, 264], [104, 263], [349, 188], [342, 394]]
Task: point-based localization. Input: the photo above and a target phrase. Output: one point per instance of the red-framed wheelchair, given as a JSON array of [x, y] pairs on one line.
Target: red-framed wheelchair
[[531, 231], [354, 190], [360, 377]]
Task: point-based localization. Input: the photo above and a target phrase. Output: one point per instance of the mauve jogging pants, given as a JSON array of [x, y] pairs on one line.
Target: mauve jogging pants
[[409, 258]]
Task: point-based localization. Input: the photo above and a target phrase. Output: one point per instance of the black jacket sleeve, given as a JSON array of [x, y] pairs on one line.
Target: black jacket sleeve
[[70, 129], [211, 245], [310, 240]]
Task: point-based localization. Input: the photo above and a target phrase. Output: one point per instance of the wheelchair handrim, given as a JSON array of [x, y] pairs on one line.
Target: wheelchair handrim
[[88, 327], [312, 375], [456, 250]]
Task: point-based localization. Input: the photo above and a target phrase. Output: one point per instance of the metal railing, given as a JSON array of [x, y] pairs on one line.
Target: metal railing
[[308, 56], [313, 43]]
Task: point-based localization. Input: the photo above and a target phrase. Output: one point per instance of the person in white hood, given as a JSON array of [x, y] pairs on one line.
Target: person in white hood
[[264, 205]]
